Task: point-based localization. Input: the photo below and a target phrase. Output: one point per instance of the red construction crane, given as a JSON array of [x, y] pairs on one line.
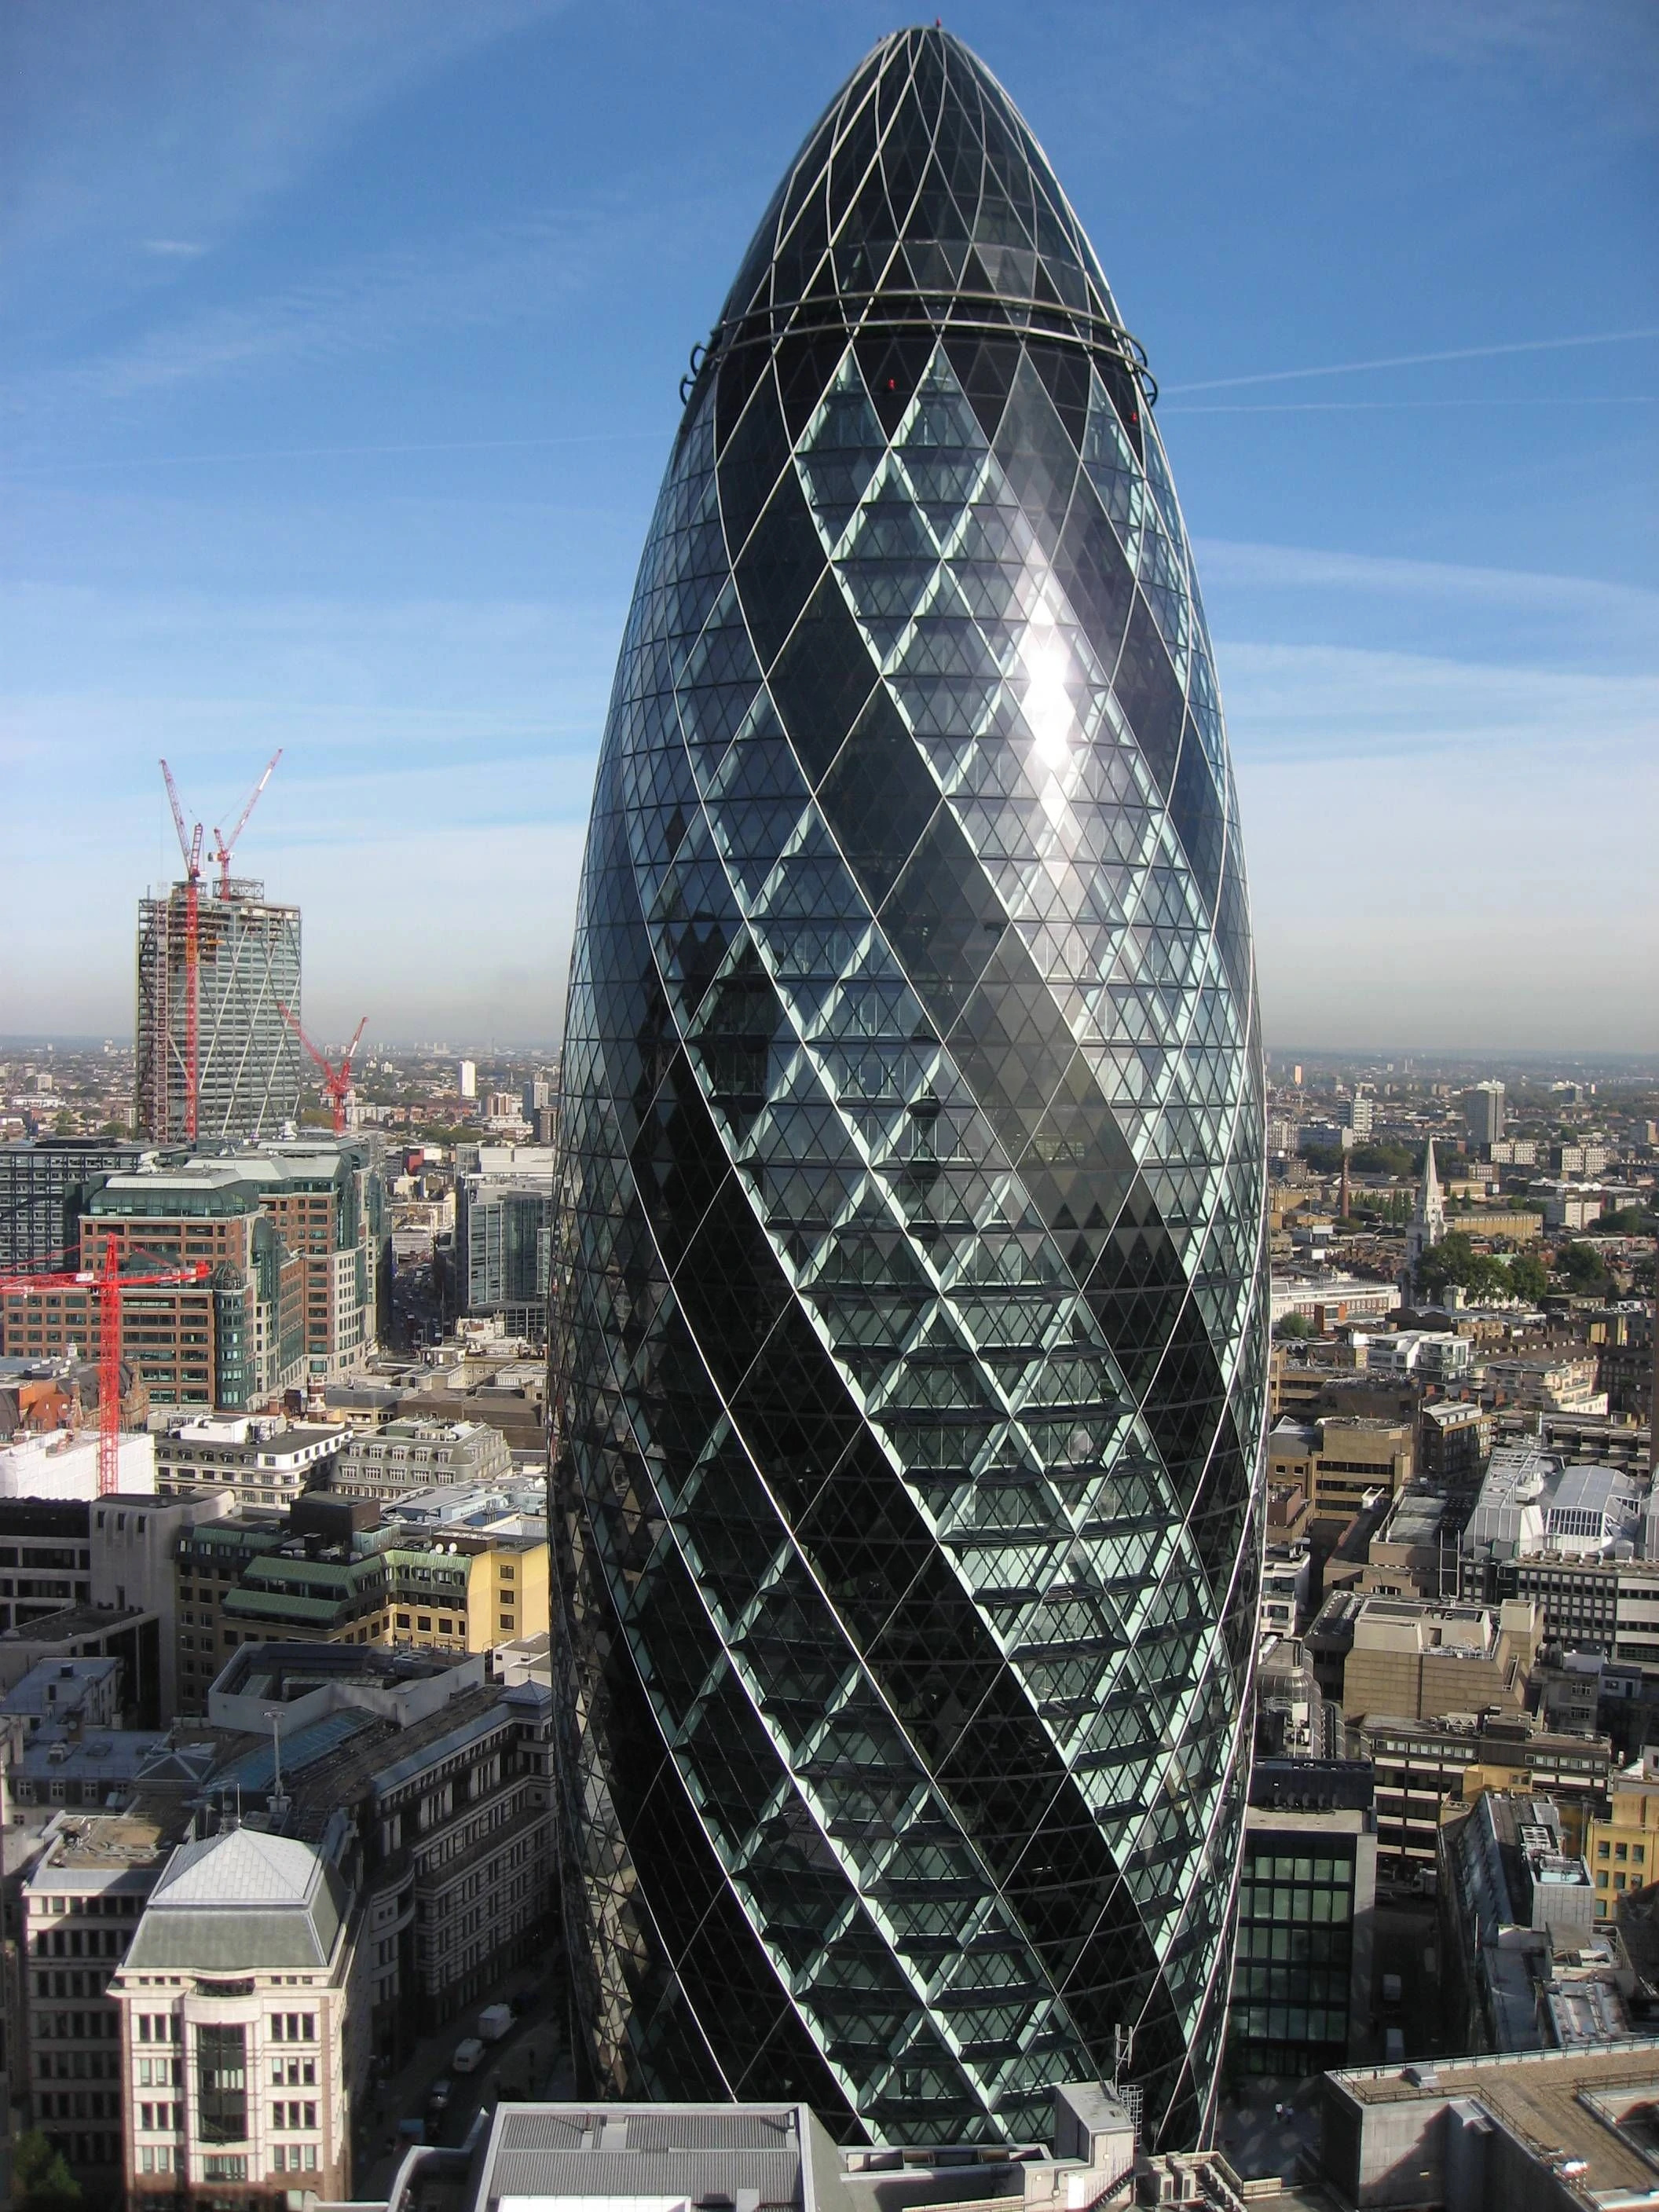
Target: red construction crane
[[337, 1081], [189, 844], [109, 1283], [223, 846]]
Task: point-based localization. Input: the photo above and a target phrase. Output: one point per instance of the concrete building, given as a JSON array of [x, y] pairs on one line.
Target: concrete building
[[1327, 1299], [448, 1778], [63, 1466], [466, 1078], [1339, 1460], [1454, 1443], [239, 1986], [420, 1455], [79, 1907], [1438, 1355], [44, 1183], [1564, 1384], [295, 1238], [334, 1571], [1388, 1654], [1581, 1541], [1414, 1553], [326, 1198], [1483, 1115], [249, 1069], [262, 1459], [615, 2157], [1429, 1771], [1555, 2131]]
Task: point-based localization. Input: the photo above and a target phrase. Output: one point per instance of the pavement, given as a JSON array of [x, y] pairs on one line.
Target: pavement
[[1264, 2135], [531, 2062]]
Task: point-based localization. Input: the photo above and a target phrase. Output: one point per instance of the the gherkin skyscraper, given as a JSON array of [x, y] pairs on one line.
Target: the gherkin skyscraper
[[910, 1363]]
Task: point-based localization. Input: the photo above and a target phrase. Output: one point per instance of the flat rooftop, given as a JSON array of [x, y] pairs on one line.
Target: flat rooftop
[[1546, 2098]]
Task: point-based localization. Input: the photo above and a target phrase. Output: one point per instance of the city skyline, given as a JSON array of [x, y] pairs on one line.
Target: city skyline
[[300, 318]]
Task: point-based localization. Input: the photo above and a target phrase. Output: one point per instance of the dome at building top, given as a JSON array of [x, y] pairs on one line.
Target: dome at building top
[[921, 179], [912, 1335]]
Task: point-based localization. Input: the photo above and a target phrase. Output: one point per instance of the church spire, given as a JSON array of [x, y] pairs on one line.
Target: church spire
[[1429, 1223]]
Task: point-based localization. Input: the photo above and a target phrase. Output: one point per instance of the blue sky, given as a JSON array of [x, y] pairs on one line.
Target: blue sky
[[339, 356]]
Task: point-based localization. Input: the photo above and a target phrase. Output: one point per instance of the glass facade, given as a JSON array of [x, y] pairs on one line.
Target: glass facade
[[911, 1303], [1291, 1986]]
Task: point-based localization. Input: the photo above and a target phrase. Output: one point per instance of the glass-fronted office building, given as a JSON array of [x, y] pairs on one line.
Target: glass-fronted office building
[[912, 1326]]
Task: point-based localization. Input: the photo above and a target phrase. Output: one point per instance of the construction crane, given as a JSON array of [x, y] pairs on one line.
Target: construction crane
[[109, 1282], [337, 1081], [189, 844], [223, 846]]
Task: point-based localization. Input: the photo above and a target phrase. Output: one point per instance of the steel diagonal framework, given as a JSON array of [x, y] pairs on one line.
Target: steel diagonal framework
[[910, 1373]]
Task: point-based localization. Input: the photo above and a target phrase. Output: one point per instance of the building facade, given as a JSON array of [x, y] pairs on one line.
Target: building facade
[[248, 1068], [43, 1185], [912, 1343], [420, 1455], [236, 2039]]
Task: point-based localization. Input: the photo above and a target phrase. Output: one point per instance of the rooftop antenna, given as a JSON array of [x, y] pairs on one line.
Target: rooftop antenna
[[279, 1805]]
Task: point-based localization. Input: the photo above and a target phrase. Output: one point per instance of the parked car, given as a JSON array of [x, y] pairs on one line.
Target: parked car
[[438, 2096], [493, 2022], [468, 2055]]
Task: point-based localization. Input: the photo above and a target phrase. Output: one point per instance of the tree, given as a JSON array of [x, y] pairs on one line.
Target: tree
[[1528, 1277], [1627, 1221], [41, 2180], [1293, 1325], [1454, 1260], [1581, 1265]]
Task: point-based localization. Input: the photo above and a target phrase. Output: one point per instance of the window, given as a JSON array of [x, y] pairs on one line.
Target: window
[[221, 2085], [1601, 1850], [1621, 1850]]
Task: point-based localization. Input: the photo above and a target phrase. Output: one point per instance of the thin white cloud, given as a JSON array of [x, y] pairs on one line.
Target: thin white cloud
[[124, 116], [1339, 703], [175, 249]]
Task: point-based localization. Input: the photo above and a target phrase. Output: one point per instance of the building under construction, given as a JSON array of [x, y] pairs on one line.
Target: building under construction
[[246, 968]]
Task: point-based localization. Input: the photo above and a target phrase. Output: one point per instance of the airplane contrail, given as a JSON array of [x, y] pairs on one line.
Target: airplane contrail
[[1373, 406], [1412, 360]]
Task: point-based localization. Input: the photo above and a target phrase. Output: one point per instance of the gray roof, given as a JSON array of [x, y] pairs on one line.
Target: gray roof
[[655, 2154], [241, 1901]]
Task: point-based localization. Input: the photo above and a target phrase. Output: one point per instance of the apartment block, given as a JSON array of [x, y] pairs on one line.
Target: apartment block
[[1622, 1847]]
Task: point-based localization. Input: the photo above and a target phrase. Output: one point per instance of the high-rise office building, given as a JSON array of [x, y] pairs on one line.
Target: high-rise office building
[[910, 1363], [1483, 1113], [43, 1185], [248, 1070]]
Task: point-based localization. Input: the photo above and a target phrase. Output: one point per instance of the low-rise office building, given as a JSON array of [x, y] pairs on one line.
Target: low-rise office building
[[262, 1459], [1512, 1896], [240, 2056], [1339, 1460], [80, 1903], [420, 1455], [1388, 1655], [1430, 1771]]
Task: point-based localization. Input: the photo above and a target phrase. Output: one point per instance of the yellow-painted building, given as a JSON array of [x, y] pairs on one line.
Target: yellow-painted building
[[467, 1591], [1623, 1849]]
